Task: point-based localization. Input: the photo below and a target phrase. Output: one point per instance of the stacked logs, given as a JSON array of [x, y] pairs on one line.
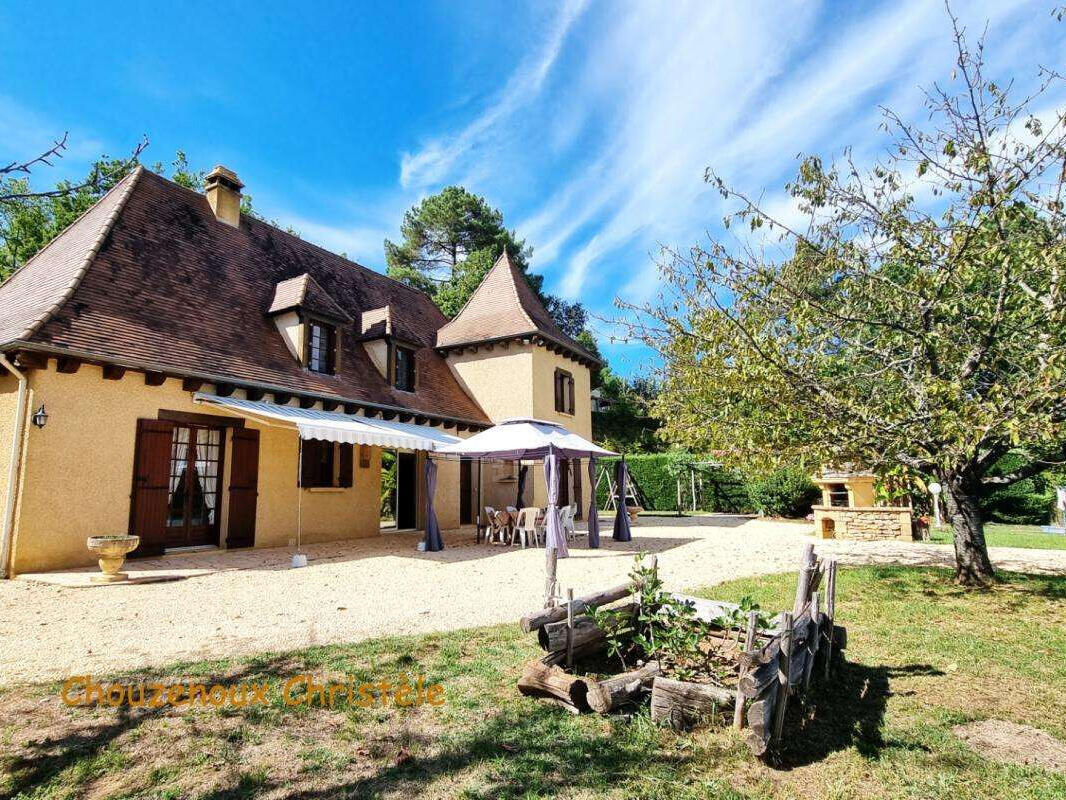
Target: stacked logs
[[566, 632], [804, 641], [772, 666]]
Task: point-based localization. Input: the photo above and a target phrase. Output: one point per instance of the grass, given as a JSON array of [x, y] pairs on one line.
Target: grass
[[923, 656], [998, 534]]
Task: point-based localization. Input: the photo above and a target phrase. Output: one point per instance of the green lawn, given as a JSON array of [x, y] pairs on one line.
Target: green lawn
[[999, 535], [923, 656]]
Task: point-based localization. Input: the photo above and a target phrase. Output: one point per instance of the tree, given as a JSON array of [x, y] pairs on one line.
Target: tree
[[915, 324], [450, 241], [442, 232]]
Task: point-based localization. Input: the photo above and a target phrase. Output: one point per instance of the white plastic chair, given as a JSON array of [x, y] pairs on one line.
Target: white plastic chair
[[566, 517], [527, 529]]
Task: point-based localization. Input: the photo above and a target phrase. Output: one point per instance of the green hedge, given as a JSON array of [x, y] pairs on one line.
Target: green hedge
[[785, 493], [656, 476]]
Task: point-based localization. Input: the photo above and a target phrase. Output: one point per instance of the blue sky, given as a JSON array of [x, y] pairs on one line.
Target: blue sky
[[589, 124]]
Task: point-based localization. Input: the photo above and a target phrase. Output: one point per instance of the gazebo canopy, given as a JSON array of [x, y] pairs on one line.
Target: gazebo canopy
[[522, 439]]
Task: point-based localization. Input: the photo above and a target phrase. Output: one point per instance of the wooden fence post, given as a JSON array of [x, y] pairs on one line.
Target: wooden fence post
[[803, 585], [813, 632], [784, 661], [749, 644], [830, 611], [569, 628]]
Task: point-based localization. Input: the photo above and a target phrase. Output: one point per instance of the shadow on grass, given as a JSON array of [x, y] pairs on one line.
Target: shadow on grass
[[46, 758], [847, 711], [518, 753]]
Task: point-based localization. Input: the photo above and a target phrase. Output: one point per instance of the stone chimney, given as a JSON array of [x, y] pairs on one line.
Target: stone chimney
[[223, 190]]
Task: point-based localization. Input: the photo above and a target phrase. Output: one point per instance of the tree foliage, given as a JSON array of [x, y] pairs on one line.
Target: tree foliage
[[449, 242], [914, 323]]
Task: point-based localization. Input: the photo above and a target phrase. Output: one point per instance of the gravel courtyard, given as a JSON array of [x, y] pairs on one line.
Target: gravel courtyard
[[228, 604]]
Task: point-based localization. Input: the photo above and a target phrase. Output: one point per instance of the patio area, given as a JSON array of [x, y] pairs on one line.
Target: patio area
[[216, 604]]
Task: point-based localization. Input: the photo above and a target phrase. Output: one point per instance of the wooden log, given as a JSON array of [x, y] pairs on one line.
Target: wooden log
[[761, 720], [757, 680], [683, 705], [555, 636], [607, 695], [538, 619], [749, 638], [544, 680], [806, 572], [784, 662]]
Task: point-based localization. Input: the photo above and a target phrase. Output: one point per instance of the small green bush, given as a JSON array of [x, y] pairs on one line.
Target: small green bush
[[784, 493]]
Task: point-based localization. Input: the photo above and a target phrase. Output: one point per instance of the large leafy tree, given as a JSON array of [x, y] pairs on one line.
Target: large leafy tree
[[915, 323]]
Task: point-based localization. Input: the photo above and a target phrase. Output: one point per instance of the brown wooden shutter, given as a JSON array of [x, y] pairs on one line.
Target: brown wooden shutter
[[558, 391], [570, 394], [151, 485], [243, 488], [564, 482], [344, 472]]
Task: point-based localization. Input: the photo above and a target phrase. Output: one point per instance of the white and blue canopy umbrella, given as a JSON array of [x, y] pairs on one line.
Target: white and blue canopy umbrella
[[534, 439]]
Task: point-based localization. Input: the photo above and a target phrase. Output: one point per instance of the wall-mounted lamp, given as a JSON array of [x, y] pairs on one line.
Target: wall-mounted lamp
[[40, 417]]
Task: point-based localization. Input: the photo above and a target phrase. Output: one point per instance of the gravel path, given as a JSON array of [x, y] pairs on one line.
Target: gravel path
[[230, 604]]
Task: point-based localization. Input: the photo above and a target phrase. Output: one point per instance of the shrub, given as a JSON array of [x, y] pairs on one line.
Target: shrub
[[1027, 502], [784, 493]]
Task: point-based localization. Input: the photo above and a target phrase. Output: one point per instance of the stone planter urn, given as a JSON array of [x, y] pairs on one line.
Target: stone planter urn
[[634, 512], [112, 551]]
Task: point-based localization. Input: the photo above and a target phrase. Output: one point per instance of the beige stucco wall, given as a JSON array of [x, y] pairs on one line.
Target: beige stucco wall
[[500, 380], [8, 402], [78, 472]]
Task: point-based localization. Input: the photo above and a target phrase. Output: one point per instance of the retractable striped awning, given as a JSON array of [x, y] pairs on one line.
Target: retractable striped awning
[[332, 426]]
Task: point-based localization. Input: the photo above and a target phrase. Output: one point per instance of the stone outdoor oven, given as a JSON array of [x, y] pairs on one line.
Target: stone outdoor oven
[[848, 511]]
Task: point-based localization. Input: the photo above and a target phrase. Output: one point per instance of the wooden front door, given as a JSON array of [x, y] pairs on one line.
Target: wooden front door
[[243, 488], [193, 493]]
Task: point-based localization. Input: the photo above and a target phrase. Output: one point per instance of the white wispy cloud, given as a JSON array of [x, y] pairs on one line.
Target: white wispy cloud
[[623, 133], [437, 157]]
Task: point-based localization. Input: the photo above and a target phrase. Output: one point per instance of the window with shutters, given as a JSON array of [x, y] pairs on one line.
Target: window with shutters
[[326, 465], [564, 392], [321, 347]]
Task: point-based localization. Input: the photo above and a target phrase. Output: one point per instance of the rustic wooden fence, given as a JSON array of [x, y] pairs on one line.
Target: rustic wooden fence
[[772, 665]]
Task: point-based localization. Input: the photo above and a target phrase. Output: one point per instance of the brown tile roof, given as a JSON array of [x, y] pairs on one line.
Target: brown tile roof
[[504, 306], [159, 283], [30, 294], [303, 293]]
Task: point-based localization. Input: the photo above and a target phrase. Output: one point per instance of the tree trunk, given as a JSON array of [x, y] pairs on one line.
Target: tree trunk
[[972, 565]]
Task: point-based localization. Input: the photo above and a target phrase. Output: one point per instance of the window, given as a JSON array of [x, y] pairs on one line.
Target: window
[[564, 392], [405, 369], [321, 344], [326, 465]]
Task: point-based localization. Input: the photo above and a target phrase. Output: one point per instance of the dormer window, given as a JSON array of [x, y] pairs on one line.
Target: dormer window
[[321, 347], [404, 369]]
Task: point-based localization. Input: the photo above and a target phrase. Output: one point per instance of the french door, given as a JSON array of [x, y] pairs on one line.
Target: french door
[[193, 489]]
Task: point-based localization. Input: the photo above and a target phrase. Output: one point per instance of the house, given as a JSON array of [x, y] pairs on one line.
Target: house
[[158, 358]]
